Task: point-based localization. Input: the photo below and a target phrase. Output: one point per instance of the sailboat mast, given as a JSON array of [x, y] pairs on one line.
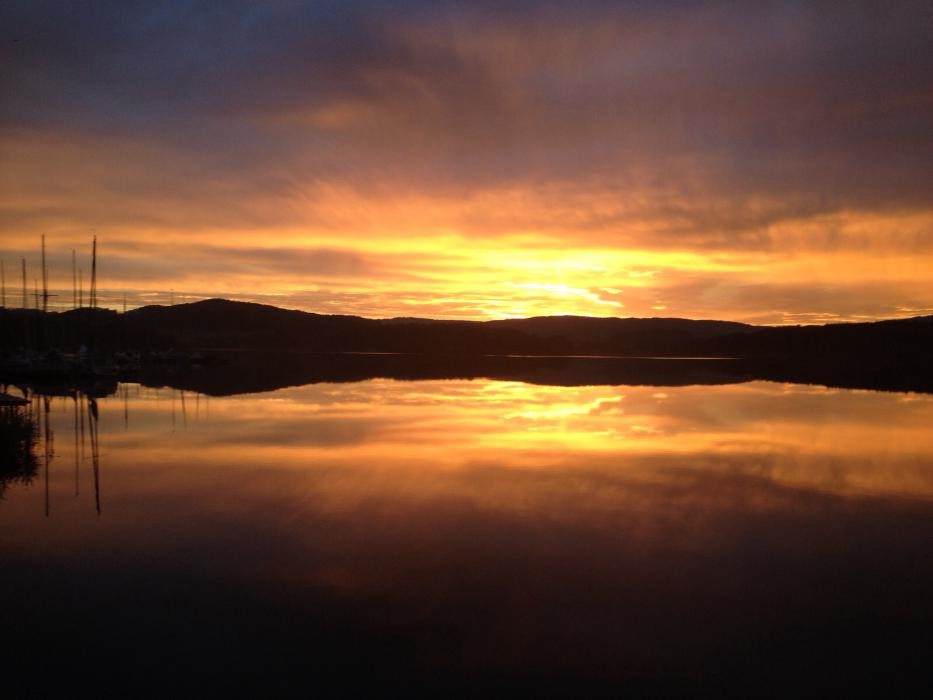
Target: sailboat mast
[[94, 274], [74, 279], [45, 279]]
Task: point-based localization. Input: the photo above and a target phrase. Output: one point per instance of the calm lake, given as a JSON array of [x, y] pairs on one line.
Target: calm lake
[[472, 535]]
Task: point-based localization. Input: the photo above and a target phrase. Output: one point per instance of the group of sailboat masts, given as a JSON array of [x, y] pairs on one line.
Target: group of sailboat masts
[[42, 298]]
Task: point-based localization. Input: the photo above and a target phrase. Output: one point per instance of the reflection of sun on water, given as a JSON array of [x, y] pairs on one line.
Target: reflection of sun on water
[[565, 410]]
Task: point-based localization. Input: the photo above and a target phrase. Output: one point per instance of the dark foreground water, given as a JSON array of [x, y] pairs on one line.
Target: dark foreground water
[[472, 537]]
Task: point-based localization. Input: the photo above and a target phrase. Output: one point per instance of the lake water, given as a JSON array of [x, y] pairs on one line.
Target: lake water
[[473, 535]]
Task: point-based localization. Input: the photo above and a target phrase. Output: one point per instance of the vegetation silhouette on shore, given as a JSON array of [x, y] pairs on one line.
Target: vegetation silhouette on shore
[[885, 354]]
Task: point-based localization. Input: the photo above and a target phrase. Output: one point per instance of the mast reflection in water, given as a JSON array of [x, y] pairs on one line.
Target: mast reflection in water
[[471, 535]]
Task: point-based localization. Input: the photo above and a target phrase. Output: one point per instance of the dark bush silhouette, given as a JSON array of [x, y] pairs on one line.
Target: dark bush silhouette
[[18, 437]]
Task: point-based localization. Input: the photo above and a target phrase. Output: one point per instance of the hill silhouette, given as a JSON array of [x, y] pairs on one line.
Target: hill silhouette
[[885, 354], [222, 323]]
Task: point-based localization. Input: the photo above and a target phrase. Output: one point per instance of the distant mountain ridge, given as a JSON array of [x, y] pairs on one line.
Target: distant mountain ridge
[[223, 324], [258, 325]]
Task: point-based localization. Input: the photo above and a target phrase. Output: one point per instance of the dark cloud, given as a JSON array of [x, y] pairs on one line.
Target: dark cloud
[[754, 97]]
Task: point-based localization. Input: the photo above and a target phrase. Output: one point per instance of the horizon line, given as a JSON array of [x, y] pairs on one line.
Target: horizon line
[[103, 307]]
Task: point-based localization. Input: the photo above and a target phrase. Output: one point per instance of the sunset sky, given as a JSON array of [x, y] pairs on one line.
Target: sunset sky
[[762, 162]]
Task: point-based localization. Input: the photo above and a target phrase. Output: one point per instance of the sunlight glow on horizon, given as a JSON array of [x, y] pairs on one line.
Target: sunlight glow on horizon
[[479, 280]]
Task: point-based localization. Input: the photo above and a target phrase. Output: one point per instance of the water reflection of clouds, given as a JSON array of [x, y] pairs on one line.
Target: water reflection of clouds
[[425, 440]]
